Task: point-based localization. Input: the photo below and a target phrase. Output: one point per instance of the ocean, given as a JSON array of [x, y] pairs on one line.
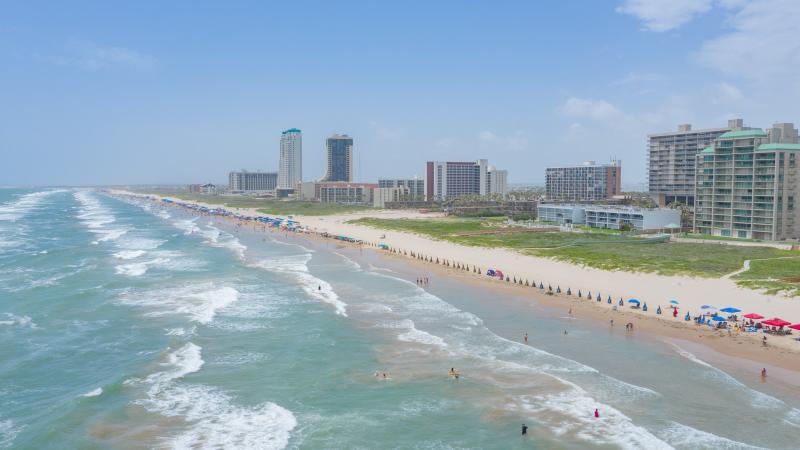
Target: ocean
[[126, 324]]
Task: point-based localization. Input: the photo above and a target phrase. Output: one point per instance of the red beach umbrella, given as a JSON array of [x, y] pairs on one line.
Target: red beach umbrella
[[795, 326], [776, 322], [753, 316]]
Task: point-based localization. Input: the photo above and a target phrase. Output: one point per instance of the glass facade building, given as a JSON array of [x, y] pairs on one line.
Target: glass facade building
[[339, 163]]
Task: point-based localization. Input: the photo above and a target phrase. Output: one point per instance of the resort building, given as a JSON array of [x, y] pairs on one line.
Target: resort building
[[450, 179], [245, 181], [747, 185], [290, 162], [671, 161], [415, 187], [347, 193], [383, 195], [339, 162], [588, 182], [608, 216]]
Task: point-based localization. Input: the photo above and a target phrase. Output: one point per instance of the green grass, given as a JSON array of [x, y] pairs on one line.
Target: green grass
[[773, 275], [610, 251], [269, 206]]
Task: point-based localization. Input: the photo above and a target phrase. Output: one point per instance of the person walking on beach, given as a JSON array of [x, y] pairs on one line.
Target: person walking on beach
[[764, 341], [763, 373], [524, 429]]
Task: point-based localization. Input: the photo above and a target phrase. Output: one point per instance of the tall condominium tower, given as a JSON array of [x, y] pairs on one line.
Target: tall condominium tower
[[339, 163], [747, 185], [585, 183], [290, 164], [671, 161]]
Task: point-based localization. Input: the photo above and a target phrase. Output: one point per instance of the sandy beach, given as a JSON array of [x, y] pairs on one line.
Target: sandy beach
[[655, 290]]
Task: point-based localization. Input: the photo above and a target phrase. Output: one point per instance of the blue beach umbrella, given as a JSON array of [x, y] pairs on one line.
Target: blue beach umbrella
[[718, 319], [730, 310], [673, 302], [707, 307], [634, 301]]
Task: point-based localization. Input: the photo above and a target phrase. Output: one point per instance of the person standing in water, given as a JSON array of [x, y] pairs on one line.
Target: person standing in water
[[596, 413], [524, 429], [525, 337]]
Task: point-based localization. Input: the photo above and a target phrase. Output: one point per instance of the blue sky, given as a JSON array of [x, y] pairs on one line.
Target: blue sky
[[179, 92]]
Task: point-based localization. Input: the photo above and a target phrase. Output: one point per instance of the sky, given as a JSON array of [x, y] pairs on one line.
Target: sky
[[184, 92]]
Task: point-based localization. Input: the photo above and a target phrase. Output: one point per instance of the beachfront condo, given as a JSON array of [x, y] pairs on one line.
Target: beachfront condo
[[450, 179], [610, 216], [290, 163], [245, 181], [588, 182], [415, 187], [747, 185], [671, 158], [339, 161]]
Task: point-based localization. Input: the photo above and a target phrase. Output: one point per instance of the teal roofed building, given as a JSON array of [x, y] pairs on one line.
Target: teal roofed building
[[747, 185]]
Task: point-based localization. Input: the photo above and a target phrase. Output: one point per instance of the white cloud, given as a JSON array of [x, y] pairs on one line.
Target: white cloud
[[487, 136], [588, 108], [664, 15], [763, 44], [90, 56]]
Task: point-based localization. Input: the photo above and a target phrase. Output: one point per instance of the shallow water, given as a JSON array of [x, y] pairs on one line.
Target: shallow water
[[129, 325]]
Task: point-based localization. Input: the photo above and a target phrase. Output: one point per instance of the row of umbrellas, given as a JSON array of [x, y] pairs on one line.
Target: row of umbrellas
[[774, 322]]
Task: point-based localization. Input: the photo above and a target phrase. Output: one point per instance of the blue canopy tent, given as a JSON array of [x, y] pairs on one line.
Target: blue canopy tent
[[730, 310], [719, 319]]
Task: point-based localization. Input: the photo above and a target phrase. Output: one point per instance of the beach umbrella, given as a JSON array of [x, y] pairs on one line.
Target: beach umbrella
[[753, 316], [634, 301], [707, 307], [776, 322], [795, 326], [730, 310], [673, 302], [718, 319]]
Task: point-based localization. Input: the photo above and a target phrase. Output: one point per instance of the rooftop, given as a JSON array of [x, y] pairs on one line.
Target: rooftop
[[292, 130], [778, 147], [743, 134]]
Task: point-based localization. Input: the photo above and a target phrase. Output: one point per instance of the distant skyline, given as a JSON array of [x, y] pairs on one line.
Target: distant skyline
[[170, 93]]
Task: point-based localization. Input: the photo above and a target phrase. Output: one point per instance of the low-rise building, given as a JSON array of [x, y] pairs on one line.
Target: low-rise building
[[347, 193], [610, 216], [245, 181], [415, 186], [383, 195]]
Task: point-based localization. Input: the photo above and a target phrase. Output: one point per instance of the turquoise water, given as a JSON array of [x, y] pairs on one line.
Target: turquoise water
[[127, 325]]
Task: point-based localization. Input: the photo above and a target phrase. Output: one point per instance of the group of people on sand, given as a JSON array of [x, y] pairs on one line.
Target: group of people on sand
[[422, 281]]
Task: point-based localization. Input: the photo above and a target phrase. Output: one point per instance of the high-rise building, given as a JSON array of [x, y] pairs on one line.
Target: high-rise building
[[290, 164], [339, 163], [415, 187], [245, 181], [589, 182], [451, 179], [747, 185], [498, 181], [671, 161]]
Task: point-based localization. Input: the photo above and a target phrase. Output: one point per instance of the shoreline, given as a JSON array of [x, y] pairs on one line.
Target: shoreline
[[781, 353]]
